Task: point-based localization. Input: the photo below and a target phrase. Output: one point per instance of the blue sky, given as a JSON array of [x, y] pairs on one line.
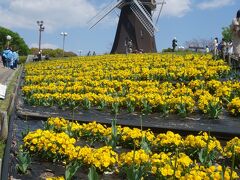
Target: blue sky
[[184, 19]]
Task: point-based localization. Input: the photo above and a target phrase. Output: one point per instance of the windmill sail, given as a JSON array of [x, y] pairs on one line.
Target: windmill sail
[[162, 3], [145, 15], [135, 25], [148, 14], [142, 19], [96, 19]]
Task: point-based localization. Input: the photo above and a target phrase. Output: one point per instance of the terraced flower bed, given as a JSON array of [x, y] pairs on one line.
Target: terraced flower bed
[[123, 153], [168, 84], [182, 93]]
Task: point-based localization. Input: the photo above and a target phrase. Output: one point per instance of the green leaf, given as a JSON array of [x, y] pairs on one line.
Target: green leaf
[[92, 175], [71, 169], [24, 161], [145, 146], [200, 155]]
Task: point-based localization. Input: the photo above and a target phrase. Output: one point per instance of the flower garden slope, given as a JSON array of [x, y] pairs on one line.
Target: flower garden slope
[[133, 82]]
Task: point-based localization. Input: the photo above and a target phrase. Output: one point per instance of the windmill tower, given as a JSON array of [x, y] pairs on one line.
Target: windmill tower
[[135, 30]]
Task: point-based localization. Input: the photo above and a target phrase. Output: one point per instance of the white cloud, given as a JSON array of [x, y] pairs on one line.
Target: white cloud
[[66, 13], [177, 8], [44, 46], [214, 4], [55, 14]]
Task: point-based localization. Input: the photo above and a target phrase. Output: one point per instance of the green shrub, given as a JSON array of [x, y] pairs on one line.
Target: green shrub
[[22, 59]]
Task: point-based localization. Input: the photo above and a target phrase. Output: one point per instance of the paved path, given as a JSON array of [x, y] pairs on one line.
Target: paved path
[[5, 74]]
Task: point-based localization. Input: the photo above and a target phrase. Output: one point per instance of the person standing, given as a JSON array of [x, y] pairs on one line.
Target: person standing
[[174, 44], [235, 27], [230, 48], [215, 48], [3, 59], [8, 55], [207, 50], [223, 48], [15, 59], [130, 46], [89, 53], [229, 52]]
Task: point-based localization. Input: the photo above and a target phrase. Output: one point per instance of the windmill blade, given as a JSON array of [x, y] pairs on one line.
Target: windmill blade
[[142, 19], [146, 11], [162, 3], [102, 10], [96, 19], [118, 15], [143, 10]]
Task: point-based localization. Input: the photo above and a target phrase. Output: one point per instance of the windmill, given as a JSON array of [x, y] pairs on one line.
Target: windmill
[[135, 30]]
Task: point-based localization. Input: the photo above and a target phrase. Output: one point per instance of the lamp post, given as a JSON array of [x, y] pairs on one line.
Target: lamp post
[[41, 28], [8, 40], [64, 34]]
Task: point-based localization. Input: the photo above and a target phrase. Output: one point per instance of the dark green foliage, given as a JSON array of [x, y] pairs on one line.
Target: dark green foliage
[[179, 52], [71, 169], [227, 34], [53, 53], [24, 161], [114, 135], [22, 59], [17, 43], [167, 50], [92, 175]]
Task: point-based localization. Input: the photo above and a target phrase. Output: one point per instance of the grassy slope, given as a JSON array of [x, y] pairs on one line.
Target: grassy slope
[[4, 103]]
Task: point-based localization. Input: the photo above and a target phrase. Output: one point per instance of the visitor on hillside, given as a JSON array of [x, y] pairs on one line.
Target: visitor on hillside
[[235, 28], [207, 50], [229, 52], [229, 48], [11, 57], [174, 44], [39, 55], [15, 59], [215, 48], [2, 59], [8, 56], [130, 46], [223, 48]]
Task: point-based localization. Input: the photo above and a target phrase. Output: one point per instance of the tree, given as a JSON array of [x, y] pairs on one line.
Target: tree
[[17, 43], [53, 52], [227, 33]]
